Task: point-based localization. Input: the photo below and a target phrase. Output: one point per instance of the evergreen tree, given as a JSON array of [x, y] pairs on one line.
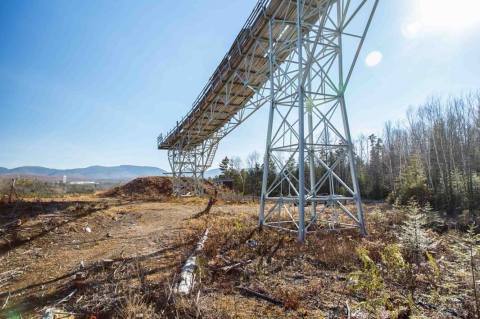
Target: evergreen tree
[[413, 236], [224, 166], [412, 184]]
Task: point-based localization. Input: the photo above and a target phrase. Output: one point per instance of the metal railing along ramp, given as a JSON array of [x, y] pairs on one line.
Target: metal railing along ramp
[[241, 73], [297, 57]]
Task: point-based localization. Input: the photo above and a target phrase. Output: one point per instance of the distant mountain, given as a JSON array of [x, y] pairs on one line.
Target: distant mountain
[[122, 172], [31, 170]]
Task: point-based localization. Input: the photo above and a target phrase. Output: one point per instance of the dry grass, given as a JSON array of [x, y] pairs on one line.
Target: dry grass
[[316, 279]]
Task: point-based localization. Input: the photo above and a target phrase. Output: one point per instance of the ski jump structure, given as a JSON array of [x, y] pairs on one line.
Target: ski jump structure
[[296, 57]]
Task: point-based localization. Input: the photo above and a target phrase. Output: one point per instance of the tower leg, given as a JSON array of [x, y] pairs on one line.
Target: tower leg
[[353, 170], [266, 158], [301, 128]]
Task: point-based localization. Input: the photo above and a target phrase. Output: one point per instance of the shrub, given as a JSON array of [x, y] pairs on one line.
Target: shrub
[[395, 265], [369, 282]]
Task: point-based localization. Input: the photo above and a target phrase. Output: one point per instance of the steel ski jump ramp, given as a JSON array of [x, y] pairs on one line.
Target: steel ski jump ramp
[[297, 57]]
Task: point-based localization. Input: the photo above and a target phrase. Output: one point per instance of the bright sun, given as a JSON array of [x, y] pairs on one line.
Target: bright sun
[[442, 16]]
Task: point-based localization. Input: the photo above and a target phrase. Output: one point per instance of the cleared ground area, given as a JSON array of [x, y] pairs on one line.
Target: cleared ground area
[[53, 248]]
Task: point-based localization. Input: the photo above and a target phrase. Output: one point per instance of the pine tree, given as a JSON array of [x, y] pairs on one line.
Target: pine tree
[[224, 166], [412, 184], [413, 237]]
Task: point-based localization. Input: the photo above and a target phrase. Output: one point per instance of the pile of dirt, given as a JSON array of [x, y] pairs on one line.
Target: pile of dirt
[[153, 187], [160, 187]]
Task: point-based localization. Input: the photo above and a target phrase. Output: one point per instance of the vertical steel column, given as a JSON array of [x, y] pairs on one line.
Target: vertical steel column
[[311, 148], [171, 161], [353, 169], [266, 158], [301, 130], [346, 126]]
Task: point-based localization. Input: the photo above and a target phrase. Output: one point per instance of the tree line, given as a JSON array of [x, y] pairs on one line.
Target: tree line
[[432, 157]]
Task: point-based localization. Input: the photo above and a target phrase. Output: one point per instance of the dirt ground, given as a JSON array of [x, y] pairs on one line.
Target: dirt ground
[[46, 243], [120, 258]]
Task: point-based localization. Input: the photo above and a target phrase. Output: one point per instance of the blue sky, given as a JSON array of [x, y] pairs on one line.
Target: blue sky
[[94, 82]]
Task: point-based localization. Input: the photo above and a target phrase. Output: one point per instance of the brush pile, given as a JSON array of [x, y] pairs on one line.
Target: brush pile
[[154, 187], [157, 188]]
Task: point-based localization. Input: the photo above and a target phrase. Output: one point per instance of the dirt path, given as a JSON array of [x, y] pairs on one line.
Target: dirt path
[[56, 241]]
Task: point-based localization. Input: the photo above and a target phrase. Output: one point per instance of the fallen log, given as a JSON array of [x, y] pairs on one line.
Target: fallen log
[[13, 224], [7, 276], [250, 292], [211, 201], [227, 268], [187, 276]]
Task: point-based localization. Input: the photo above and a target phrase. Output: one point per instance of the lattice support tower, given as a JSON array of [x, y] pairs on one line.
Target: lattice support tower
[[297, 57]]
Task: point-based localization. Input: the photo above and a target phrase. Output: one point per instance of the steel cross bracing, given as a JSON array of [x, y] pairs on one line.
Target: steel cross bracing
[[297, 56], [188, 166]]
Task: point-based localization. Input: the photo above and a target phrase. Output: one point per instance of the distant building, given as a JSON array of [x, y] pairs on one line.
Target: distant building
[[64, 179], [83, 183], [224, 181]]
